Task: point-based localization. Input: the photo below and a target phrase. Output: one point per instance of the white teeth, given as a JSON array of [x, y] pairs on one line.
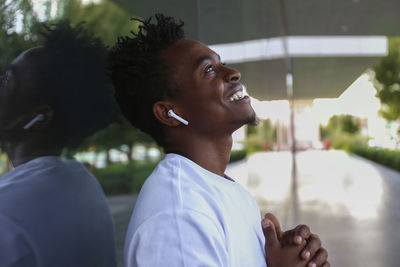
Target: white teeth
[[237, 96]]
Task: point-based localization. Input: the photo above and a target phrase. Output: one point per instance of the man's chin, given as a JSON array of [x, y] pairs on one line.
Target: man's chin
[[253, 120]]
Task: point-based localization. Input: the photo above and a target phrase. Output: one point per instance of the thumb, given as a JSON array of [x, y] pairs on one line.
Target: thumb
[[271, 240], [276, 223]]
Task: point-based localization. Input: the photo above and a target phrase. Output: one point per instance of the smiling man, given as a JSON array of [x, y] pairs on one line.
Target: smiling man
[[53, 212], [188, 212]]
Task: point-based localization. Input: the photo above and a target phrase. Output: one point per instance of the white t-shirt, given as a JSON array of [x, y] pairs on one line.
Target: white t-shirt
[[188, 216], [53, 213]]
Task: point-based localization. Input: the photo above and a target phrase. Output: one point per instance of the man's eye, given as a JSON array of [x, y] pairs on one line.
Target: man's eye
[[209, 68]]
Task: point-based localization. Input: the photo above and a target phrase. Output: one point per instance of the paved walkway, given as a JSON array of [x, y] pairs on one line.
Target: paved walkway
[[352, 203], [121, 208]]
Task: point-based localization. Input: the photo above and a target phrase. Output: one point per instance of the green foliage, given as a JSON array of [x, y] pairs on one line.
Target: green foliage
[[115, 136], [343, 131], [387, 81], [237, 155], [389, 158], [254, 144], [343, 141], [123, 178], [269, 132], [11, 42], [259, 135], [252, 129], [105, 19], [340, 124]]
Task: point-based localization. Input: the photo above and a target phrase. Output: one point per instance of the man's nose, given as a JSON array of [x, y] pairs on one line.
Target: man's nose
[[232, 75]]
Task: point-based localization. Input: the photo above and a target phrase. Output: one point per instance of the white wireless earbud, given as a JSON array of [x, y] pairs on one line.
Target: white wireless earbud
[[38, 117], [173, 115]]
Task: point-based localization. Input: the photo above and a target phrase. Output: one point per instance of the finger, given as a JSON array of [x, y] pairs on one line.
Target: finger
[[276, 223], [313, 245], [326, 264], [301, 232], [288, 238], [271, 240], [319, 259]]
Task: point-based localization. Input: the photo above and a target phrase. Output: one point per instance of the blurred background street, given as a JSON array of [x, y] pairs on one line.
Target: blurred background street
[[353, 204]]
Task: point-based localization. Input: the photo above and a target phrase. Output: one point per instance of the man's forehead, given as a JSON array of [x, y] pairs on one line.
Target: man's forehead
[[190, 50]]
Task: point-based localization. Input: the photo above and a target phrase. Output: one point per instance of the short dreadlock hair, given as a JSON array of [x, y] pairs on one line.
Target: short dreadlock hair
[[139, 74], [73, 82]]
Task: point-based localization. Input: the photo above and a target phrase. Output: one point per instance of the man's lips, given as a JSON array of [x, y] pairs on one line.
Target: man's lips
[[236, 94]]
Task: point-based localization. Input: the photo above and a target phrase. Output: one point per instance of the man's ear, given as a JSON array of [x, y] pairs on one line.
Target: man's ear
[[160, 110], [45, 119]]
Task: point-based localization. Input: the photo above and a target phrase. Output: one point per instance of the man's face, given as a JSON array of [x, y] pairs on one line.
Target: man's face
[[211, 97], [16, 88]]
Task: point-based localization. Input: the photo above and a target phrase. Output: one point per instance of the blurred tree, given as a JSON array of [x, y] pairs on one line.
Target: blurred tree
[[105, 18], [261, 137], [116, 136], [251, 129], [269, 132], [17, 21], [340, 124], [387, 81], [342, 131]]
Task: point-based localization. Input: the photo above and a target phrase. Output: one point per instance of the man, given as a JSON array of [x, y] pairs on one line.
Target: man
[[53, 212], [188, 212]]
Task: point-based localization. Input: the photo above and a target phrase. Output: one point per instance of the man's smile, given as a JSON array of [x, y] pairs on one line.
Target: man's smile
[[237, 94]]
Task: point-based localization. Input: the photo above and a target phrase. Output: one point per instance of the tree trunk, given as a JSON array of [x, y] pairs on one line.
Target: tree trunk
[[130, 151], [108, 160]]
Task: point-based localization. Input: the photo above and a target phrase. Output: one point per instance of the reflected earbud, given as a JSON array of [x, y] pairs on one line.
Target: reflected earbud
[[173, 115], [38, 117]]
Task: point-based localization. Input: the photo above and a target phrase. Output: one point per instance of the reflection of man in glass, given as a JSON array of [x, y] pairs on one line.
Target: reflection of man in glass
[[52, 210], [188, 212]]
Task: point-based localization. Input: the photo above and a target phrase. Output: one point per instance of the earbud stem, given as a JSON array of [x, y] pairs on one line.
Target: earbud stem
[[172, 114], [38, 117]]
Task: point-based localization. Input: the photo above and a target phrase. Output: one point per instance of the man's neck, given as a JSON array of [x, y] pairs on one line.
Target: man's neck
[[21, 153], [212, 155]]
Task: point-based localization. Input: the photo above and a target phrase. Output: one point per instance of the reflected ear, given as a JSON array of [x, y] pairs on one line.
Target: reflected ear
[[160, 110]]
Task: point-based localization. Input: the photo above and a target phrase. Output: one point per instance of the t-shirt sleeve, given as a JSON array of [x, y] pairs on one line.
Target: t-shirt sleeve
[[15, 248], [182, 238]]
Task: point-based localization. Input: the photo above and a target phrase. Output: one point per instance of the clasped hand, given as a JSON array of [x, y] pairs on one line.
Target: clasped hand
[[294, 248]]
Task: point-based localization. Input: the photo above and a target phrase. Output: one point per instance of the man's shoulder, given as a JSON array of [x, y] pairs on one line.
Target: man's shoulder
[[175, 184], [174, 188]]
